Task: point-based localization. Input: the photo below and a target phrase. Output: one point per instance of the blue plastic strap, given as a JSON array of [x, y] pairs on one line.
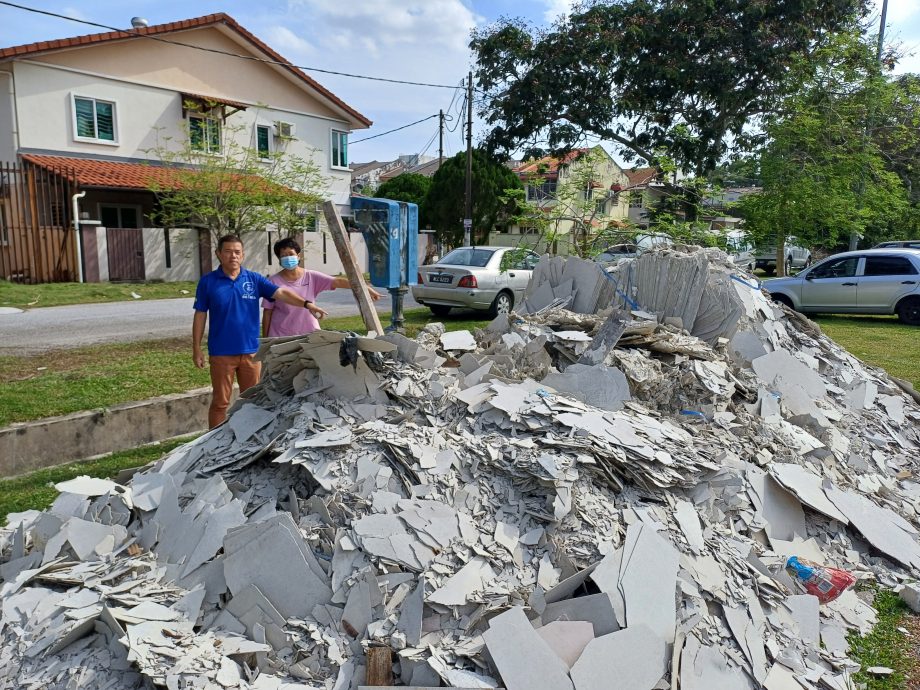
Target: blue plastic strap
[[616, 286], [741, 280]]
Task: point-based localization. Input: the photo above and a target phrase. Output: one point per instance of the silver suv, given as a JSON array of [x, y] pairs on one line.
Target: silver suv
[[796, 257], [873, 281]]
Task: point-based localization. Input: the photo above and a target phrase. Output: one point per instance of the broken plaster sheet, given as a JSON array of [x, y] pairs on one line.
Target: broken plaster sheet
[[807, 487], [522, 657], [885, 530], [248, 420], [689, 521], [634, 658], [707, 667], [598, 385], [596, 609], [458, 340], [567, 639], [648, 580], [460, 587], [779, 510]]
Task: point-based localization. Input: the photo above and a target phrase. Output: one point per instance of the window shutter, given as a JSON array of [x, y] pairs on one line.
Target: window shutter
[[105, 121], [86, 123]]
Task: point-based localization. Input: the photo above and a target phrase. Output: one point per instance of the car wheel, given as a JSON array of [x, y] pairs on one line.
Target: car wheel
[[439, 309], [807, 261], [788, 265], [909, 311], [782, 299], [501, 305]]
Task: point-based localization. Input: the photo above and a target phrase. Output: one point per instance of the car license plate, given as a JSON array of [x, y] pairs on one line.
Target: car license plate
[[439, 278]]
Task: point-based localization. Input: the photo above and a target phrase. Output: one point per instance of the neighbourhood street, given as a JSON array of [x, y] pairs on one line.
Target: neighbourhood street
[[50, 328]]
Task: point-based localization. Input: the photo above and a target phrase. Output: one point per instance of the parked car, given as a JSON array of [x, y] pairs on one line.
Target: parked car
[[632, 249], [471, 278], [894, 244], [740, 250], [796, 256], [872, 281]]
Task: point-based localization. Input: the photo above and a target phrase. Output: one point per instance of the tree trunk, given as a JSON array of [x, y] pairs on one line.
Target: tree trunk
[[780, 255]]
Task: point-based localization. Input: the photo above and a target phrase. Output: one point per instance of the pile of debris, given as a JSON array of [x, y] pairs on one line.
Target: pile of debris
[[606, 486]]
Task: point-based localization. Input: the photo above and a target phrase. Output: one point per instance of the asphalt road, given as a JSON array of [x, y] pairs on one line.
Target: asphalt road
[[52, 328]]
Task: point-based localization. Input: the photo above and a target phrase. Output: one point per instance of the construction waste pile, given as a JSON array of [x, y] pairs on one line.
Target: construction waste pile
[[599, 490]]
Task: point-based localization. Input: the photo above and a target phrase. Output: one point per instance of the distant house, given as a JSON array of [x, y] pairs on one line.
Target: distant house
[[80, 115], [367, 177], [645, 189], [549, 180]]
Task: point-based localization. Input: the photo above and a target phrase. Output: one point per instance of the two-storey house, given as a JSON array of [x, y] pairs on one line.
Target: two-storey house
[[82, 119]]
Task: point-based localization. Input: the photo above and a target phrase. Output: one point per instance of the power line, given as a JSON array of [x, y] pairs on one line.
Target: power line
[[251, 58], [358, 141]]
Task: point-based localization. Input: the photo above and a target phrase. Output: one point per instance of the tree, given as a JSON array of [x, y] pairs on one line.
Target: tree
[[822, 176], [411, 187], [237, 191], [571, 208], [658, 77], [444, 203]]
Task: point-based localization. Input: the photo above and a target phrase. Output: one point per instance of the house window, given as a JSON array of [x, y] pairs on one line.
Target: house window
[[339, 149], [636, 200], [204, 134], [263, 140], [113, 216], [600, 207], [93, 120], [541, 192]]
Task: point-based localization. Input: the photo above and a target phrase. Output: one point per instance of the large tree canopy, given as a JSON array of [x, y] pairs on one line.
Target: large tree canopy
[[444, 202], [663, 78], [410, 187]]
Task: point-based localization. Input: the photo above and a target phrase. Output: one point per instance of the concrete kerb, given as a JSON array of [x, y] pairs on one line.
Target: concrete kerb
[[29, 446]]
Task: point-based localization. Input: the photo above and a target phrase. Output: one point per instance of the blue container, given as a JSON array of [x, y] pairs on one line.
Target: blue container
[[390, 230]]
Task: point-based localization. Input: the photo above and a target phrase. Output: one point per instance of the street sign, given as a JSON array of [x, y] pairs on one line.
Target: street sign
[[467, 223]]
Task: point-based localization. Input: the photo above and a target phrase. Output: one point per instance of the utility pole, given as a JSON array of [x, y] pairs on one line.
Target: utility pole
[[468, 199], [854, 237], [440, 138]]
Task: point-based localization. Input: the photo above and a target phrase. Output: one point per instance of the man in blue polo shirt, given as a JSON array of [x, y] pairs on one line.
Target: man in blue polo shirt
[[231, 295]]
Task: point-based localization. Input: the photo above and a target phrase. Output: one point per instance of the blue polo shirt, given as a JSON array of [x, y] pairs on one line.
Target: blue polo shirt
[[233, 310]]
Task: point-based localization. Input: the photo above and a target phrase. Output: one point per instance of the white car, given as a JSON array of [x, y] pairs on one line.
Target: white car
[[872, 281], [472, 278], [796, 256]]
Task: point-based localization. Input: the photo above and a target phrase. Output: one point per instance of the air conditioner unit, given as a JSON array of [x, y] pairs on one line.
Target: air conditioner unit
[[284, 130]]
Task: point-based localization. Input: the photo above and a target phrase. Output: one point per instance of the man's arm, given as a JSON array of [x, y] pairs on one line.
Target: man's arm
[[288, 296], [266, 321], [201, 317], [342, 282]]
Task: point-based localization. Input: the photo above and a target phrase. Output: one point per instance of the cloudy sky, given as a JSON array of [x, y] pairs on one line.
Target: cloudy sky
[[414, 40]]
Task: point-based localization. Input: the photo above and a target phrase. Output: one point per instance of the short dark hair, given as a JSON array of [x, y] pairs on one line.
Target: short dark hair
[[286, 243], [227, 238]]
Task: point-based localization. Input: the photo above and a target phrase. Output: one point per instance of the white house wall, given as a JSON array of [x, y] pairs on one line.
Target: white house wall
[[148, 118], [183, 253]]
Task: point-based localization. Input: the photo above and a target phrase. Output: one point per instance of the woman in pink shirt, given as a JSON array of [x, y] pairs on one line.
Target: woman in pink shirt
[[279, 319]]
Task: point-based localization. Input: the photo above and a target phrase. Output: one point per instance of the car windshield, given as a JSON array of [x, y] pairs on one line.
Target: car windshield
[[468, 256]]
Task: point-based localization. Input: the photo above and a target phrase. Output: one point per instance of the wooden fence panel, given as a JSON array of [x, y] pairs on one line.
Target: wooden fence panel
[[37, 243]]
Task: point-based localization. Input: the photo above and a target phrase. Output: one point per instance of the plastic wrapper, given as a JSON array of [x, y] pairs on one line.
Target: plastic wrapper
[[825, 583]]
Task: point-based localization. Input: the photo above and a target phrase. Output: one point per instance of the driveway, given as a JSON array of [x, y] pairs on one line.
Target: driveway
[[53, 328]]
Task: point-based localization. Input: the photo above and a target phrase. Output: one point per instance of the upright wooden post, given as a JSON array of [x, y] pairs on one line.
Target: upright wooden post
[[355, 275]]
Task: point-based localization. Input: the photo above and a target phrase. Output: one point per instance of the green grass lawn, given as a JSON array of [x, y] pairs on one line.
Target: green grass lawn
[[879, 340], [57, 294], [885, 646], [65, 381], [35, 491]]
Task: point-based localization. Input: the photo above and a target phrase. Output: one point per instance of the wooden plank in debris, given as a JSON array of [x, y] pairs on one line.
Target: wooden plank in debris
[[380, 666], [355, 276]]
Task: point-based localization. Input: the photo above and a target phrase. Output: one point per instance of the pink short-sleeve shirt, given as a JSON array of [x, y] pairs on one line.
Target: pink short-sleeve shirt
[[288, 320]]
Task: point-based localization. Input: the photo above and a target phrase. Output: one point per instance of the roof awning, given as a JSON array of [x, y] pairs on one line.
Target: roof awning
[[96, 174], [204, 104]]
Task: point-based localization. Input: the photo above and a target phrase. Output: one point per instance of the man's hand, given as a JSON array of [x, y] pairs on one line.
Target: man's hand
[[373, 293], [198, 357], [318, 312]]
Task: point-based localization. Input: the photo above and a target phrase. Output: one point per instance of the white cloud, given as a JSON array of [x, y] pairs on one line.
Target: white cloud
[[900, 10], [287, 42], [74, 13], [556, 8]]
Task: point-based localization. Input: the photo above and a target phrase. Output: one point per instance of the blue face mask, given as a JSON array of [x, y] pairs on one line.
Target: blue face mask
[[289, 262]]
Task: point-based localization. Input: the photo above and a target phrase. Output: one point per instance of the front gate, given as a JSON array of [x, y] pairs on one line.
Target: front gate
[[126, 253], [37, 243]]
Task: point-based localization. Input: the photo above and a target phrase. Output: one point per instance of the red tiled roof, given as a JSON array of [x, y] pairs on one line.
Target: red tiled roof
[[107, 174], [184, 25], [86, 172], [641, 176], [548, 165]]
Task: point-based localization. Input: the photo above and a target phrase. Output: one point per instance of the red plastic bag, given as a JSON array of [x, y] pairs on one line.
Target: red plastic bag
[[825, 583]]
